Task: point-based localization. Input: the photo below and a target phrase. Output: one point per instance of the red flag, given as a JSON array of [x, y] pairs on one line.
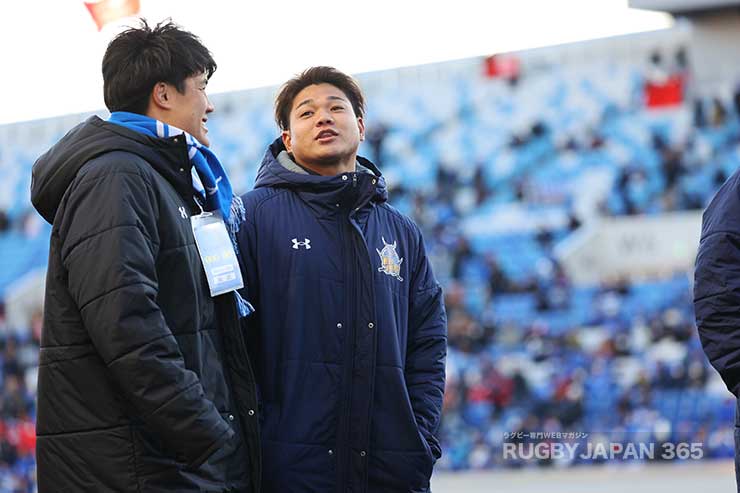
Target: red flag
[[504, 66], [668, 93], [106, 11]]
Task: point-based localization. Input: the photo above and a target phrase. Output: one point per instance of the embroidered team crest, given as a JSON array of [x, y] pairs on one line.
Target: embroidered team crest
[[390, 261]]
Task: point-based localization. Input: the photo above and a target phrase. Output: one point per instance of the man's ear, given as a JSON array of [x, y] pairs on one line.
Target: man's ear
[[161, 97], [361, 126], [286, 140]]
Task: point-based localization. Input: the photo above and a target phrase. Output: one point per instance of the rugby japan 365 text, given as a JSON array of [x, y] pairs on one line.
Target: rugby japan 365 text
[[602, 450]]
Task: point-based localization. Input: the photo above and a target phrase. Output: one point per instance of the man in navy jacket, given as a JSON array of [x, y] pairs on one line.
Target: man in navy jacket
[[349, 335], [717, 291]]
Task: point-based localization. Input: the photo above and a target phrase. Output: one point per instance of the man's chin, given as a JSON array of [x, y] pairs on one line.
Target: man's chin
[[203, 140], [327, 161]]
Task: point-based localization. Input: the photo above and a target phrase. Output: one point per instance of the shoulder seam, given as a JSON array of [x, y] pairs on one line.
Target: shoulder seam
[[139, 171], [407, 222], [271, 193], [85, 180]]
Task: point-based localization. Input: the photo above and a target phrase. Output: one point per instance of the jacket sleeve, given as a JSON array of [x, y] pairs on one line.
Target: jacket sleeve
[[109, 242], [427, 349], [247, 255], [717, 283]]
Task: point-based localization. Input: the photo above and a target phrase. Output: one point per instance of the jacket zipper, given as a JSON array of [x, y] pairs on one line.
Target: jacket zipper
[[348, 232], [348, 366]]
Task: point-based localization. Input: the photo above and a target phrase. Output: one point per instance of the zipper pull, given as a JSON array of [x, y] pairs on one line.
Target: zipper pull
[[354, 180]]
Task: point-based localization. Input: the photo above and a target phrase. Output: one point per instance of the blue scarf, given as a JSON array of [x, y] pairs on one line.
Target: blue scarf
[[209, 177]]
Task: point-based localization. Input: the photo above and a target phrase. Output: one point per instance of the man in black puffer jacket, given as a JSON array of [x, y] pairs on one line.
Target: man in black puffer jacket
[[144, 379]]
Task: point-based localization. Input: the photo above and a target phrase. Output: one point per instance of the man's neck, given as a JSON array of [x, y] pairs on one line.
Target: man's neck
[[158, 115], [345, 166]]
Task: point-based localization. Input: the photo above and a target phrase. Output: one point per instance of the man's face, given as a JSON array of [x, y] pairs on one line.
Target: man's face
[[324, 130], [191, 107]]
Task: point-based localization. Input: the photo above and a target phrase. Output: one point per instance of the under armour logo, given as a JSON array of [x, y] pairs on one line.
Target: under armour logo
[[183, 212], [306, 243]]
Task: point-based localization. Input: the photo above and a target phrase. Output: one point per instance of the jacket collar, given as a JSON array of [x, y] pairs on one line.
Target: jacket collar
[[349, 190], [278, 170], [56, 168]]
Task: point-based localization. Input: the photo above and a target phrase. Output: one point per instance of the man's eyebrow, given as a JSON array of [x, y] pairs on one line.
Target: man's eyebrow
[[307, 101]]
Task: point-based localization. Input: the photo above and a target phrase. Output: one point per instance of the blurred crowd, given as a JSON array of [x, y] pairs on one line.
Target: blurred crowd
[[620, 362], [18, 368]]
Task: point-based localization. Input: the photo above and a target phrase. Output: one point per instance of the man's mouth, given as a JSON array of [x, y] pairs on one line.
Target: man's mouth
[[326, 134], [203, 124]]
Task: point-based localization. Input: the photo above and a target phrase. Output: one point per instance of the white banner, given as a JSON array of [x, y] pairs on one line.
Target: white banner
[[632, 248]]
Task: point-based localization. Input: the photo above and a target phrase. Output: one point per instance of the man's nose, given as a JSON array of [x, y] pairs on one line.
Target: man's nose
[[325, 116]]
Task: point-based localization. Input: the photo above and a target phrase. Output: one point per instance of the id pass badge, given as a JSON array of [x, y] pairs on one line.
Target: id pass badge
[[216, 253]]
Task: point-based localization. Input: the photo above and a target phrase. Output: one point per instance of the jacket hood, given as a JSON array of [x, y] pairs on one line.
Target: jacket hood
[[54, 171], [272, 173]]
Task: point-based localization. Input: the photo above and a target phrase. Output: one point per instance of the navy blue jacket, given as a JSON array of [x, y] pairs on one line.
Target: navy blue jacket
[[717, 283], [349, 335], [717, 290]]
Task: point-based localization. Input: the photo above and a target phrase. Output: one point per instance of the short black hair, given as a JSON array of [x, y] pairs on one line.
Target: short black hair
[[311, 76], [140, 57]]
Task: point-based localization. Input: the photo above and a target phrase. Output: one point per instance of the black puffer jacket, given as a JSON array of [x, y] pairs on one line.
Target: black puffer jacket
[[144, 382]]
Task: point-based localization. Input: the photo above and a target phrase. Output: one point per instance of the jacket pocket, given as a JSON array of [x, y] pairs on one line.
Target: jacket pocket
[[400, 457], [156, 467], [159, 470], [394, 424], [393, 471], [87, 461]]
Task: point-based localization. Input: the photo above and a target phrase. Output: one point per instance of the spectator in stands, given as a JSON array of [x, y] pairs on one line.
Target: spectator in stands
[[699, 114], [462, 254], [136, 352], [349, 318], [4, 221], [498, 281], [672, 164], [718, 113], [480, 186], [446, 181], [376, 135]]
